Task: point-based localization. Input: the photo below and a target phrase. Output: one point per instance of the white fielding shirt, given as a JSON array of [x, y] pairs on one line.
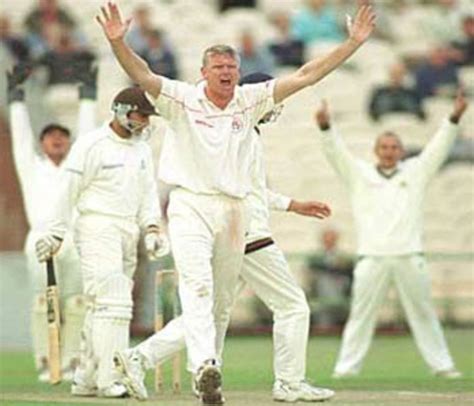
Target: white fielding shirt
[[108, 175], [39, 176], [388, 210], [209, 150]]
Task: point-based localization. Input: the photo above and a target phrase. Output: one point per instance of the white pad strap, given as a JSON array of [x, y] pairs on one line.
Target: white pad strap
[[114, 298]]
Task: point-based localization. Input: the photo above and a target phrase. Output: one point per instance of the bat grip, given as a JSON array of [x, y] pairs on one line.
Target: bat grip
[[51, 278]]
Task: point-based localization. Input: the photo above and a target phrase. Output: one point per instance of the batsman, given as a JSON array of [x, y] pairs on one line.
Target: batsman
[[109, 180]]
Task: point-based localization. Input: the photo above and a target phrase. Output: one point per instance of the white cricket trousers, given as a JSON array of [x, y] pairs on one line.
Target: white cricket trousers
[[207, 238], [372, 278], [107, 248], [267, 273]]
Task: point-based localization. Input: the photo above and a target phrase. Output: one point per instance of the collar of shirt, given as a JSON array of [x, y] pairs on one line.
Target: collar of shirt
[[115, 137], [388, 173], [202, 97]]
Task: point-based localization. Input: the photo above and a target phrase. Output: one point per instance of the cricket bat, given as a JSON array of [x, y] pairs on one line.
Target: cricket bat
[[158, 325], [54, 324]]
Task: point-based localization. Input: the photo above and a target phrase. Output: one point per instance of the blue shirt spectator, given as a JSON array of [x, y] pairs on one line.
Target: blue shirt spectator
[[253, 58], [316, 22], [438, 76], [159, 56]]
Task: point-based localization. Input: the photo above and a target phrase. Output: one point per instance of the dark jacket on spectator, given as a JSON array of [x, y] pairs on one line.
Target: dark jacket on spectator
[[389, 99]]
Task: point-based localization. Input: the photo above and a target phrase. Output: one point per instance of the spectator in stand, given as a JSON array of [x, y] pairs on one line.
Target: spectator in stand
[[66, 60], [441, 21], [465, 45], [316, 22], [159, 56], [15, 45], [438, 76], [42, 23], [254, 58], [227, 4], [395, 97], [331, 279], [141, 24], [286, 50]]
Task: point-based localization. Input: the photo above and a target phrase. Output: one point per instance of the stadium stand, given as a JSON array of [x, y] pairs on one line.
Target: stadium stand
[[295, 165]]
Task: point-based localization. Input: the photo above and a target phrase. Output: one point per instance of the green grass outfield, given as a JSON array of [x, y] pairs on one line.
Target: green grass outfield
[[393, 374]]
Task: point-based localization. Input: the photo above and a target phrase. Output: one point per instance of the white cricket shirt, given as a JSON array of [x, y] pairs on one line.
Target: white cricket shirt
[[108, 175], [388, 210], [209, 150], [39, 176]]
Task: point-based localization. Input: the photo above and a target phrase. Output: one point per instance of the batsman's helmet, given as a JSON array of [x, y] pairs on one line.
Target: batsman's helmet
[[133, 99], [256, 77]]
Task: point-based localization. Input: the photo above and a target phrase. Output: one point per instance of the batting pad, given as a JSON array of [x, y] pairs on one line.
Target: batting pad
[[110, 325]]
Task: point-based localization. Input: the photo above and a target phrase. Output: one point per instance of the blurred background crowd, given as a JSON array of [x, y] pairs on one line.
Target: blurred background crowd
[[402, 80]]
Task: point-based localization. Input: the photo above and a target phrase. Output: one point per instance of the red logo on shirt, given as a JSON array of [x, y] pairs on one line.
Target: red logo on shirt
[[237, 124]]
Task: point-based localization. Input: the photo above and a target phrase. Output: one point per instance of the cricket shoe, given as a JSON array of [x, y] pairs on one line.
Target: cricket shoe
[[208, 384], [43, 375], [116, 390], [78, 389], [83, 383], [299, 391], [449, 374], [130, 365], [343, 375]]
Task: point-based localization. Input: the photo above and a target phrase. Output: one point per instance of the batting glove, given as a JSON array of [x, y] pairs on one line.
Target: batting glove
[[156, 243], [46, 247]]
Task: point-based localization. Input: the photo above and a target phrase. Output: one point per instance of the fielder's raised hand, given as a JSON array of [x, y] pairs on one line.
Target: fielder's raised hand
[[362, 26], [112, 22], [47, 246], [310, 209], [322, 116], [460, 106], [156, 243], [15, 79]]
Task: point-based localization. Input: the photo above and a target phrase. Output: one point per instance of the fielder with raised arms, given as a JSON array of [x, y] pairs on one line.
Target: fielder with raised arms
[[39, 176], [108, 178], [212, 124], [387, 200]]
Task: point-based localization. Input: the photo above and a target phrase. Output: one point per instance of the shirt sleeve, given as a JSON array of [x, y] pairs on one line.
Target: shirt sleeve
[[277, 201], [259, 99], [339, 156], [437, 150], [23, 141], [149, 212], [170, 104]]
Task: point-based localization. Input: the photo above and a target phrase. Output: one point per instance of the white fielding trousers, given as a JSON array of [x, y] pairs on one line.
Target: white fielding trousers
[[207, 238], [267, 273], [372, 278]]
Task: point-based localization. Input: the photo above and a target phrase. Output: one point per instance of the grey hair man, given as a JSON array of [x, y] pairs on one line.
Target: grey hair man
[[213, 124]]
